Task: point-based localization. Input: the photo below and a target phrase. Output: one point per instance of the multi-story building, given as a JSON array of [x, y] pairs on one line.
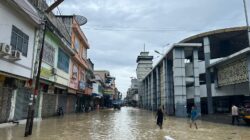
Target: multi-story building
[[64, 63], [109, 88], [209, 70], [132, 93], [145, 65], [80, 66], [19, 25]]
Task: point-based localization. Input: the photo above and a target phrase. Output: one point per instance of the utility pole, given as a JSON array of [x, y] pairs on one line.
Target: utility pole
[[246, 16], [31, 108]]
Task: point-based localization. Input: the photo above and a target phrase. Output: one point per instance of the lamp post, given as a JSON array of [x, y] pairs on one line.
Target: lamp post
[[158, 52], [31, 107], [246, 16]]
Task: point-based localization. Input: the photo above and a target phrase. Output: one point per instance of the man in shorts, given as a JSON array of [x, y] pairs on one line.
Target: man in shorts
[[193, 117]]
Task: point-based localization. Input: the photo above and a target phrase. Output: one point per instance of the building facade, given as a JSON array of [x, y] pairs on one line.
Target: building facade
[[17, 42], [65, 47], [110, 91], [208, 70]]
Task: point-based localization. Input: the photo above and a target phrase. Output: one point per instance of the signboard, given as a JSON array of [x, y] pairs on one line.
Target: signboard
[[46, 73], [2, 78], [108, 91], [81, 85]]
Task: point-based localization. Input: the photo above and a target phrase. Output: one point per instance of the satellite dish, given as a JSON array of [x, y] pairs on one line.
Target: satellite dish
[[81, 20]]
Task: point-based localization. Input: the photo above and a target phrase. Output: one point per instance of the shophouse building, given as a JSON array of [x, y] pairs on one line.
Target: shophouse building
[[19, 24]]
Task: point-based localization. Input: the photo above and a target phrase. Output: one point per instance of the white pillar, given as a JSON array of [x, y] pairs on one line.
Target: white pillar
[[40, 105], [197, 95], [13, 105], [180, 98]]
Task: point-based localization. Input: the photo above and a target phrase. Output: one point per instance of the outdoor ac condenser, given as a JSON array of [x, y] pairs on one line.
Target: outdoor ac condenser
[[15, 55], [5, 49]]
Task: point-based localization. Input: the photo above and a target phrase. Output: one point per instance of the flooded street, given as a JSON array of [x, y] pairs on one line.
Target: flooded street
[[125, 124]]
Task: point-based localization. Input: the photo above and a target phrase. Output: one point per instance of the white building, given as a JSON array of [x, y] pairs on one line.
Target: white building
[[19, 23], [17, 38]]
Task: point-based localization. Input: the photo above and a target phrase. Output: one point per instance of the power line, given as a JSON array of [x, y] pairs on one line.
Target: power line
[[140, 29]]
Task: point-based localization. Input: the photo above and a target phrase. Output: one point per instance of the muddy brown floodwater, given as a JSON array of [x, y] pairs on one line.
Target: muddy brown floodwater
[[125, 124]]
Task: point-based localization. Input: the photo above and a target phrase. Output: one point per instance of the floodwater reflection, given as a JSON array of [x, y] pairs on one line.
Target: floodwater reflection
[[125, 124]]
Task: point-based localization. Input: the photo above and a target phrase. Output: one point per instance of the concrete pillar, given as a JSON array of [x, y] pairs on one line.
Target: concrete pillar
[[197, 98], [152, 90], [146, 89], [166, 86], [169, 87], [149, 92], [179, 82], [206, 44], [57, 98], [163, 101], [40, 105], [13, 105], [248, 70], [144, 93], [157, 87]]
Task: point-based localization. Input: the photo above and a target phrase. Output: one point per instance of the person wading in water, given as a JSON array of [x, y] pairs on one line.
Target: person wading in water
[[193, 117], [159, 116]]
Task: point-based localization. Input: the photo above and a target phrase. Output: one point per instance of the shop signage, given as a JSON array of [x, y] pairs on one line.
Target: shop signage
[[81, 85], [46, 73]]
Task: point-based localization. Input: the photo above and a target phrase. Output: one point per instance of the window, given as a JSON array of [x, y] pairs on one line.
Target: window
[[84, 53], [77, 45], [82, 76], [75, 72], [63, 61], [19, 41], [48, 54]]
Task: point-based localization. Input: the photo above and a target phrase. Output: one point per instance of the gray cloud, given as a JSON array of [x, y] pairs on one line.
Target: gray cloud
[[126, 25]]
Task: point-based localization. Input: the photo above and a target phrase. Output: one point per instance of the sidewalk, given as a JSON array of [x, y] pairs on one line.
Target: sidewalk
[[9, 124], [221, 118]]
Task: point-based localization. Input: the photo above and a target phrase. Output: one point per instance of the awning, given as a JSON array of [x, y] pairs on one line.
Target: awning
[[72, 91], [60, 86]]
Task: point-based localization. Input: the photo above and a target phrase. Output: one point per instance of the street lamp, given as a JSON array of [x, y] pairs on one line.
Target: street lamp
[[163, 46], [31, 109], [158, 52]]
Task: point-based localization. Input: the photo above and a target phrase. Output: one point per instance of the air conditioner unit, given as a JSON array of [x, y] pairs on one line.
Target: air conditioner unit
[[5, 49], [54, 71], [15, 55]]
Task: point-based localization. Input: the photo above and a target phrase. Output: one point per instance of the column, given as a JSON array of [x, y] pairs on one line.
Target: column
[[157, 88], [145, 93], [163, 101], [13, 105], [248, 71], [152, 90], [197, 98], [146, 100], [40, 105], [149, 92], [169, 87], [179, 82], [208, 75]]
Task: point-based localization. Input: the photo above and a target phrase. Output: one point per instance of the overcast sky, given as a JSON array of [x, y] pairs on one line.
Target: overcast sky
[[117, 29]]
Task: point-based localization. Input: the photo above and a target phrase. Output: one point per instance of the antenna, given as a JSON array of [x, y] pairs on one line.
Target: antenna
[[144, 47]]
